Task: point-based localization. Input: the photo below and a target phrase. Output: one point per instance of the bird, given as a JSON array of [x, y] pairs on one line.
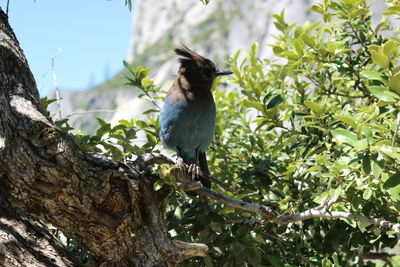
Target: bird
[[187, 118]]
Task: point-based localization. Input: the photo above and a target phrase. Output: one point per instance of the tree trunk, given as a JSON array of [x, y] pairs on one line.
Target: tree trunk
[[110, 207], [26, 242]]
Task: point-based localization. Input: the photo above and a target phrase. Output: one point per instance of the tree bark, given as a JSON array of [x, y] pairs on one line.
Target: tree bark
[[26, 242], [112, 208]]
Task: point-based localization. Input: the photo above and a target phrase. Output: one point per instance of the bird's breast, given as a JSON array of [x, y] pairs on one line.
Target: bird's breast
[[188, 123]]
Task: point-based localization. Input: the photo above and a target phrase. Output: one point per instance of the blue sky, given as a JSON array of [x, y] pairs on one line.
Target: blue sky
[[93, 35]]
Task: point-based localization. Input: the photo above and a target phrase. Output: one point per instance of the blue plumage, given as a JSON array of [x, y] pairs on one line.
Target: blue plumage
[[187, 119], [187, 125]]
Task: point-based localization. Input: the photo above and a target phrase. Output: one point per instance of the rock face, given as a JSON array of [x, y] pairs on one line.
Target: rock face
[[215, 31]]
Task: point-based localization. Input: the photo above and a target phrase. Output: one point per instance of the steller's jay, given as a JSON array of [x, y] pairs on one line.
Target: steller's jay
[[187, 119]]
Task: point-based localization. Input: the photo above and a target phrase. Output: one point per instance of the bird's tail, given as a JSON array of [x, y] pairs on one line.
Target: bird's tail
[[204, 167]]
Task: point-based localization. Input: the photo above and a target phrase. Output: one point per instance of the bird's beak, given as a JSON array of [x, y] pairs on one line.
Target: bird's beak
[[223, 73]]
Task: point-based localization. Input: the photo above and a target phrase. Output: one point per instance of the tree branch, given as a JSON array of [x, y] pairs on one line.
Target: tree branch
[[319, 213], [268, 214], [264, 211], [322, 213]]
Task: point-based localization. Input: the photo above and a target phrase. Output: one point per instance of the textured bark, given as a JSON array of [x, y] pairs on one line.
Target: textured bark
[[109, 206], [26, 242]]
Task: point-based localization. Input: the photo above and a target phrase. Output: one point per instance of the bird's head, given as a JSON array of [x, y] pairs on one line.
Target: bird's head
[[198, 71]]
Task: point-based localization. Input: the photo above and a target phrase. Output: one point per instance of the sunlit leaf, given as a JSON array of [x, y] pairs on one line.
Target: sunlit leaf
[[382, 93], [380, 59], [317, 108]]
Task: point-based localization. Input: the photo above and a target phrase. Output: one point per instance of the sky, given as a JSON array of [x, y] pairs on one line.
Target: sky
[[88, 39]]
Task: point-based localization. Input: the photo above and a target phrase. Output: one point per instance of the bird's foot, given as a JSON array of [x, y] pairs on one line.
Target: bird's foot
[[182, 169], [194, 171], [179, 162], [191, 172]]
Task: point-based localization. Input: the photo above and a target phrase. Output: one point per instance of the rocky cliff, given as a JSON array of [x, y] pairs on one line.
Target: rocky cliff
[[215, 30]]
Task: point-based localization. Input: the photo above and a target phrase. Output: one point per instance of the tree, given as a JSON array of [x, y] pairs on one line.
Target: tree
[[109, 206], [312, 135]]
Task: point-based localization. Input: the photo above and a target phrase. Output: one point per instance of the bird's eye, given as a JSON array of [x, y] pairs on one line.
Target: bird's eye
[[207, 72]]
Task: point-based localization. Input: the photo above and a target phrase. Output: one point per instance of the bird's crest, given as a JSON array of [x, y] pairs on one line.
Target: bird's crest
[[191, 58]]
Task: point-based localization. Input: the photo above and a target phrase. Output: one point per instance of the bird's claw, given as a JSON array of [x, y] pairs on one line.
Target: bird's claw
[[191, 171], [179, 162], [194, 171]]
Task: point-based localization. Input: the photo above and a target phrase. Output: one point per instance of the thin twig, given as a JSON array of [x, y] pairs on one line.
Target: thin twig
[[315, 213], [53, 71], [253, 221], [8, 4], [221, 184], [91, 111], [324, 213], [265, 211], [396, 132]]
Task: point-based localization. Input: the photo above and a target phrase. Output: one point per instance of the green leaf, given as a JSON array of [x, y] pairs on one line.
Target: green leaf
[[367, 194], [313, 169], [321, 198], [335, 193], [394, 193], [147, 82], [299, 46], [307, 39], [336, 259], [382, 93], [345, 136], [45, 102], [372, 75], [251, 104], [317, 108], [394, 83], [277, 50], [346, 119], [376, 169], [380, 59], [103, 123], [275, 102], [366, 164], [360, 145], [392, 181], [326, 263], [390, 47], [359, 12], [275, 261], [317, 9]]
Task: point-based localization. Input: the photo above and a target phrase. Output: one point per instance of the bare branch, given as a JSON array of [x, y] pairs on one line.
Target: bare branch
[[91, 111], [253, 221], [319, 212], [322, 213], [396, 131], [265, 211]]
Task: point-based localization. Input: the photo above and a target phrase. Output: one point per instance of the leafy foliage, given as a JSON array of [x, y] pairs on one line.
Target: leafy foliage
[[318, 123]]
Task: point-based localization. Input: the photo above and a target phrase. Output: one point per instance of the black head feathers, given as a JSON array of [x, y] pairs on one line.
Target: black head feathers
[[196, 69], [193, 59]]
